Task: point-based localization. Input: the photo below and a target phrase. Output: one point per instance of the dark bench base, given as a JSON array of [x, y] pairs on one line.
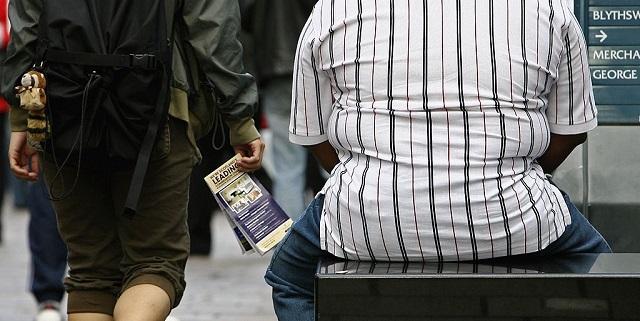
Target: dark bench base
[[584, 287]]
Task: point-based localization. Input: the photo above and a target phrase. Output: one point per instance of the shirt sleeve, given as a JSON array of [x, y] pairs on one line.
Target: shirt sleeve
[[312, 98], [572, 107], [212, 30]]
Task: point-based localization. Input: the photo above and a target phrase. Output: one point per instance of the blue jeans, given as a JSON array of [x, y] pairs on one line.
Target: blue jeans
[[293, 265], [48, 252]]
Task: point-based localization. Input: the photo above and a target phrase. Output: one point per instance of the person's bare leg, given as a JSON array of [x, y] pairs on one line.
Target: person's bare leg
[[89, 317], [144, 302]]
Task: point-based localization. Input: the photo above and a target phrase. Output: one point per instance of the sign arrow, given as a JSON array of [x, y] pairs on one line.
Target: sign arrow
[[602, 36]]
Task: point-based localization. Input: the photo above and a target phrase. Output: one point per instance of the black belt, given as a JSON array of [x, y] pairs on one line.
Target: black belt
[[135, 61]]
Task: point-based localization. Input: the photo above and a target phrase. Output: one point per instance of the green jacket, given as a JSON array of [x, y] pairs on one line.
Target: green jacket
[[208, 73]]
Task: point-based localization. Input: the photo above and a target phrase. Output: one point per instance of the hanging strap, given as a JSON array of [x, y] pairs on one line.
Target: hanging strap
[[144, 157]]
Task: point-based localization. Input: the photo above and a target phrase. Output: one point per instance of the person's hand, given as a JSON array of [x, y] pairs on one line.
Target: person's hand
[[251, 155], [24, 161]]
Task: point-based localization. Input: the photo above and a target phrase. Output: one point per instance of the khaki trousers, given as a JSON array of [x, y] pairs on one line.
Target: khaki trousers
[[109, 253]]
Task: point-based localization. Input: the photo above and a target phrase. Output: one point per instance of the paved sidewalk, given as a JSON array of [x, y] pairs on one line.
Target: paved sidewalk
[[226, 287]]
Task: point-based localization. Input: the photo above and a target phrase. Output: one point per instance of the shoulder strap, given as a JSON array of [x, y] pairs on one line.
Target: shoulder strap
[[142, 163]]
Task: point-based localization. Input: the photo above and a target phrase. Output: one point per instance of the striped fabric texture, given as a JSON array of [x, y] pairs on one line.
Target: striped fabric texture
[[438, 111]]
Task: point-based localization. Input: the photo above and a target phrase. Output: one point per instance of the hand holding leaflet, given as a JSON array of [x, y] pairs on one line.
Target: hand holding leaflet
[[258, 221]]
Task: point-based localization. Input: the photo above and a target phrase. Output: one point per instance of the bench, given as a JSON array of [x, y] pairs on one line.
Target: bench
[[580, 287]]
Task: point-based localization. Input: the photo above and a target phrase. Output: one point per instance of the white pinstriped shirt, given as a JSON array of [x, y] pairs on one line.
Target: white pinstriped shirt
[[438, 111]]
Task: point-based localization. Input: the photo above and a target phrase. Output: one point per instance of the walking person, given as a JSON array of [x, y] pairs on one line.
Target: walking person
[[123, 113], [48, 254], [275, 26]]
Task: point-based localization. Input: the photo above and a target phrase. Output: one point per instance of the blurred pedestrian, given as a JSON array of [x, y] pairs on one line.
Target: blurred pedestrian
[[201, 201], [48, 253], [275, 26]]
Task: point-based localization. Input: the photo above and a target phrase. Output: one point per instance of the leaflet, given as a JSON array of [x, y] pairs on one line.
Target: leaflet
[[259, 223]]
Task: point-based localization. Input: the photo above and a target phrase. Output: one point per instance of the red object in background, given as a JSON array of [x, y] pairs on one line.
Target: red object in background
[[264, 124], [4, 106], [4, 41], [4, 24]]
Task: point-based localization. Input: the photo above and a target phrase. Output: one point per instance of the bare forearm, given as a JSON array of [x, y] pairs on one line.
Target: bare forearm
[[325, 154], [560, 146]]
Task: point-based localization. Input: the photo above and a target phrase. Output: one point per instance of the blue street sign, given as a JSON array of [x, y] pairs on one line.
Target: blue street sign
[[614, 16], [612, 29], [610, 75], [614, 36], [614, 56]]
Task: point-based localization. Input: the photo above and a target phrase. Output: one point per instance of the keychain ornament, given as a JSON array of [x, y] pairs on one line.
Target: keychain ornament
[[33, 99]]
